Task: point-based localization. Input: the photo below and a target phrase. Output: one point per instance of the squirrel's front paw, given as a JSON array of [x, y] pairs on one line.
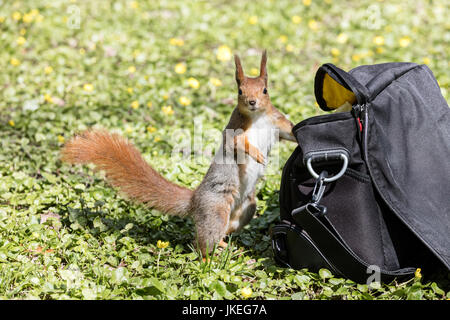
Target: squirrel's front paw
[[260, 158]]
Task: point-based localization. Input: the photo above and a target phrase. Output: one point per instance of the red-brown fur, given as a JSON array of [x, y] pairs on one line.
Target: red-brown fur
[[126, 169], [212, 205]]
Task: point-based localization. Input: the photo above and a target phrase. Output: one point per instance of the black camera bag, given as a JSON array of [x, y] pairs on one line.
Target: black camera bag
[[368, 190]]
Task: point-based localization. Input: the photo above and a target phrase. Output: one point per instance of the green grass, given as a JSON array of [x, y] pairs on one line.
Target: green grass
[[65, 234]]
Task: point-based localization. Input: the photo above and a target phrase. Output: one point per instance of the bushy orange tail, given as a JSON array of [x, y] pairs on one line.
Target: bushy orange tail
[[126, 169]]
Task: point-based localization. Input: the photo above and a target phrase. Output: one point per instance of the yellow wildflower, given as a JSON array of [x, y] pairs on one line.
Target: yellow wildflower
[[27, 18], [184, 101], [342, 38], [151, 129], [404, 41], [15, 62], [11, 123], [131, 69], [254, 71], [48, 70], [378, 40], [335, 52], [88, 87], [176, 42], [134, 4], [246, 292], [356, 57], [307, 2], [128, 129], [165, 96], [193, 83], [167, 110], [21, 41], [417, 274], [17, 16], [130, 90], [296, 19], [313, 25], [289, 48], [162, 244], [48, 98], [223, 53], [23, 31], [157, 139], [283, 39], [61, 139], [2, 19], [180, 68], [380, 50], [253, 20], [82, 51], [426, 60], [135, 104], [216, 82], [149, 104]]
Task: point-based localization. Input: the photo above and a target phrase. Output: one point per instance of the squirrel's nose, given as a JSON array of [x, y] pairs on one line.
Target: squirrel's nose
[[252, 102]]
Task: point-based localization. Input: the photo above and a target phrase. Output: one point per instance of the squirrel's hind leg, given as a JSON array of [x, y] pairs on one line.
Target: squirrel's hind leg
[[223, 244]]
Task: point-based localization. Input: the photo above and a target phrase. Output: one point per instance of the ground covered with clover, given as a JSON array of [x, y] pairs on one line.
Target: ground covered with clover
[[161, 73]]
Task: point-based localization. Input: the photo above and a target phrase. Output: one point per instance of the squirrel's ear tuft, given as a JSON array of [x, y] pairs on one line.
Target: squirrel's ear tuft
[[239, 71], [263, 68]]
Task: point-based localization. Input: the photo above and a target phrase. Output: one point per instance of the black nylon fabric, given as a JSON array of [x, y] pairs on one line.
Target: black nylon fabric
[[352, 210], [392, 206], [408, 148]]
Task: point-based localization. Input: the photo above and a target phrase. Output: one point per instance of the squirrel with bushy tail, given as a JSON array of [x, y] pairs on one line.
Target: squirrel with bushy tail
[[224, 202]]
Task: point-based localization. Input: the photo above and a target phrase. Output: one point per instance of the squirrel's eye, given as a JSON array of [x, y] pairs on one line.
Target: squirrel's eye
[[265, 91], [240, 91]]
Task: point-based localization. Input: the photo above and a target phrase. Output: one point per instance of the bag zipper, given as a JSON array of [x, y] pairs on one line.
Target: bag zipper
[[359, 111]]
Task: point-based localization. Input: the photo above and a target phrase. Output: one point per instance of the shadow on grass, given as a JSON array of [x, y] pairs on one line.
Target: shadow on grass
[[144, 230], [147, 229]]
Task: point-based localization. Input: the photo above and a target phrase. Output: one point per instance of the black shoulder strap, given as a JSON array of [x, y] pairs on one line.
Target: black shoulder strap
[[338, 254]]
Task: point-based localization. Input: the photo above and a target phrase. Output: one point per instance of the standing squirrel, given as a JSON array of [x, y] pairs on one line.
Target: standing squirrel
[[224, 201]]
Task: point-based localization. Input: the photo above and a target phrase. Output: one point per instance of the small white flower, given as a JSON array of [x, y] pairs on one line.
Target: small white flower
[[30, 105]]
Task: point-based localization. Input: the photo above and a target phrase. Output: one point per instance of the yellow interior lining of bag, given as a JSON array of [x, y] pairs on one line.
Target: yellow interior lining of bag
[[334, 94]]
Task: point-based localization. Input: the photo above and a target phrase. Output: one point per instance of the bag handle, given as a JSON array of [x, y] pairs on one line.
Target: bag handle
[[338, 253]]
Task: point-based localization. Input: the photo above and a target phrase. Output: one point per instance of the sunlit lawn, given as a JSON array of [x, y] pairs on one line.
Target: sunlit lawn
[[156, 71]]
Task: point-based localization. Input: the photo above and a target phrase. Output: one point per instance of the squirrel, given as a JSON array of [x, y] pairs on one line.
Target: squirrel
[[224, 202]]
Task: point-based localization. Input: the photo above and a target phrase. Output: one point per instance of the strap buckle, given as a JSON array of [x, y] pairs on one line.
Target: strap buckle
[[313, 207]]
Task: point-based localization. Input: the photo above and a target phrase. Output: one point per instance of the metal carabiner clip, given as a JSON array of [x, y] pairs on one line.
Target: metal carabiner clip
[[314, 207], [319, 187]]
